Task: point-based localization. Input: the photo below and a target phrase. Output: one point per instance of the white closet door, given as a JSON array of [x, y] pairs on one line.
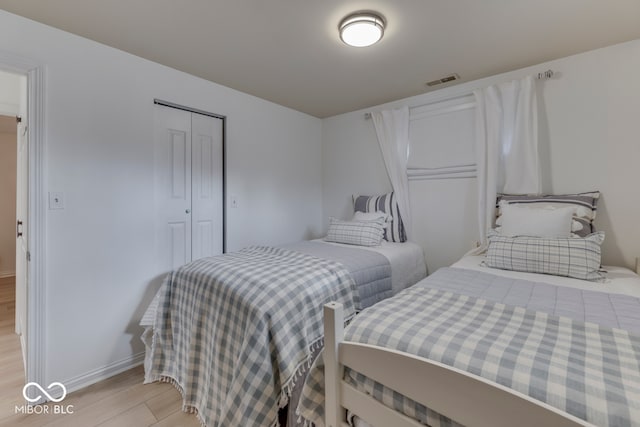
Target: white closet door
[[188, 186], [172, 186], [206, 186]]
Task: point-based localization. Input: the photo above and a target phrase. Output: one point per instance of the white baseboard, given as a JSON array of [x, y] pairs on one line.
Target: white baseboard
[[100, 374], [4, 274]]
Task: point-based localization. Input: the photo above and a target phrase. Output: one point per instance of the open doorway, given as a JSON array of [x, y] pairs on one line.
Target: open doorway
[[12, 356], [13, 214], [13, 207], [8, 182]]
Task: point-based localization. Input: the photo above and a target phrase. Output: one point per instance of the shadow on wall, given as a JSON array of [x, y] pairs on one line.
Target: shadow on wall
[[134, 329], [312, 233], [610, 248]]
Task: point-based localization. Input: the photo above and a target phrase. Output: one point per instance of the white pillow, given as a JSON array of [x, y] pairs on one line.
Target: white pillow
[[372, 216], [583, 203], [576, 226], [522, 221]]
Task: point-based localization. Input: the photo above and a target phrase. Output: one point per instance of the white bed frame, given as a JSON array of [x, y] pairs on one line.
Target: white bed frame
[[461, 396]]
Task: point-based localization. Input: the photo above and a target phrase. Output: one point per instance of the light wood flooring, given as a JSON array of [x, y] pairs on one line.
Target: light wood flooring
[[120, 401]]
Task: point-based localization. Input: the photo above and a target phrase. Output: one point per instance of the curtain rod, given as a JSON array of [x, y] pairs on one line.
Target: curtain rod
[[544, 75]]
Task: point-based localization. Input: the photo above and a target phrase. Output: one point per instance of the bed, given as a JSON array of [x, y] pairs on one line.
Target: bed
[[236, 333], [472, 345]]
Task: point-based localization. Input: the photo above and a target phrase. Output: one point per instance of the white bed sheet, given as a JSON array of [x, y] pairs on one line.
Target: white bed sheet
[[407, 261], [618, 280]]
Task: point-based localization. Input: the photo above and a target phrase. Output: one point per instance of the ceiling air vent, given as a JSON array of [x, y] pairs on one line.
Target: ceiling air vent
[[447, 79]]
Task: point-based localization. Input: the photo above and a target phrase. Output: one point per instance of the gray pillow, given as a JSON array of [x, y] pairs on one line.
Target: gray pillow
[[394, 231]]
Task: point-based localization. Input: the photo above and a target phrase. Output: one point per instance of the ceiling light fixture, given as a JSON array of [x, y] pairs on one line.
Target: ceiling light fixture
[[362, 29]]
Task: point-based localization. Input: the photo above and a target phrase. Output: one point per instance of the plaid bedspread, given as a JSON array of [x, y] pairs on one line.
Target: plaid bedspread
[[232, 331], [585, 369]]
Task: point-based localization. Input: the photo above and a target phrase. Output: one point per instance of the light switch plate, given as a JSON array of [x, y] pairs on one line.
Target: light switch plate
[[56, 200]]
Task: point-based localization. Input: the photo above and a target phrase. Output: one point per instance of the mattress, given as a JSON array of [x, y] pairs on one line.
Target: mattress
[[406, 259], [369, 270], [612, 304], [379, 272], [618, 280]]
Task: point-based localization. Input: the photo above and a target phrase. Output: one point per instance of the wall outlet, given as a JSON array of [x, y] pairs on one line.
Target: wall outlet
[[56, 200]]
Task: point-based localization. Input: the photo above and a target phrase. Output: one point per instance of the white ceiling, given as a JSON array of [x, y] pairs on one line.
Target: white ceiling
[[289, 52]]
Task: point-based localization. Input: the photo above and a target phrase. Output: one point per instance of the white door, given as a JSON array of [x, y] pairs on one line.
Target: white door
[[188, 186], [173, 186], [206, 186], [22, 230]]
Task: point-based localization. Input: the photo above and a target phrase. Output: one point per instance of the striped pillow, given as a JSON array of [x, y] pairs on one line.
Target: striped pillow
[[584, 204], [362, 233], [570, 257], [394, 232]]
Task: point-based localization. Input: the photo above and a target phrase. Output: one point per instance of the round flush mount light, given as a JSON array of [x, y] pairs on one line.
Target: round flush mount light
[[362, 29]]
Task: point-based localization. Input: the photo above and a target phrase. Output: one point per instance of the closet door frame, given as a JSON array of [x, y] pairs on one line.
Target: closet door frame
[[224, 158]]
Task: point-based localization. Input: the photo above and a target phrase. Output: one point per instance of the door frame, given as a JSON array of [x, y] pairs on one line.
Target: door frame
[[35, 369]]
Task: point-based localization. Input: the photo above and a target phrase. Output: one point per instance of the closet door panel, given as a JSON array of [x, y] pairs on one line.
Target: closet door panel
[[179, 168], [173, 183], [178, 244], [207, 186]]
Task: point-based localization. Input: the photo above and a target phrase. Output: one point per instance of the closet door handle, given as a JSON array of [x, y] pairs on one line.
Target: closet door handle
[[187, 211], [19, 229]]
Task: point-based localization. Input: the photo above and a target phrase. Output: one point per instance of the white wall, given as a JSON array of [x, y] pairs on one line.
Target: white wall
[[99, 152], [589, 131]]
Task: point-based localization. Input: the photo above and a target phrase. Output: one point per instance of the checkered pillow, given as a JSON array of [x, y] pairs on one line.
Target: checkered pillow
[[362, 233], [394, 230], [570, 257]]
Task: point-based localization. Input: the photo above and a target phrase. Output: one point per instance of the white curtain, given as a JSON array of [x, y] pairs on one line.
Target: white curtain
[[392, 129], [506, 145]]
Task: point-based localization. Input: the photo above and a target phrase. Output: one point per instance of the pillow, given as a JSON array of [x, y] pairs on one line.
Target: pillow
[[569, 257], [583, 203], [362, 233], [372, 216], [394, 231], [519, 221]]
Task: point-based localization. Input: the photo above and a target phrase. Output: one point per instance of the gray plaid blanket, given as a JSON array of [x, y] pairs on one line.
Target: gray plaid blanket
[[583, 368], [232, 332]]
